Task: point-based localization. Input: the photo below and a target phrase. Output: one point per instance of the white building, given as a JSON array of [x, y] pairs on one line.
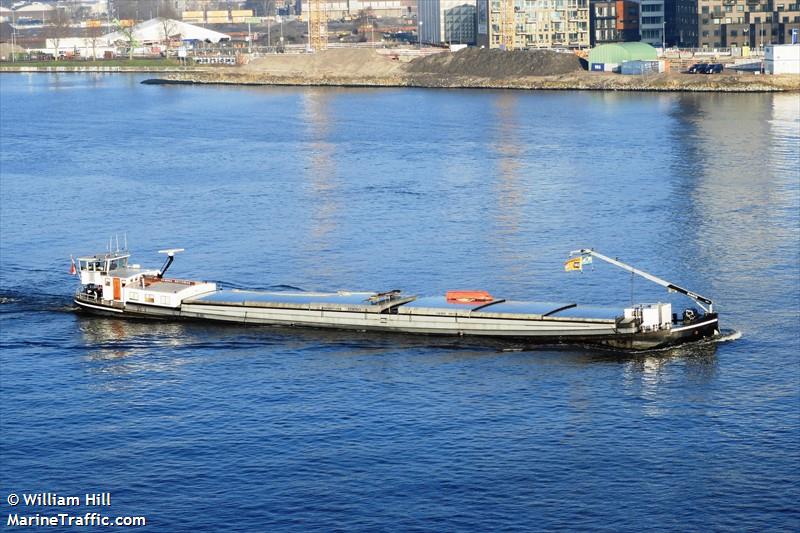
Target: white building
[[342, 9], [84, 47], [651, 22], [36, 11], [153, 32], [149, 37], [782, 59], [447, 21]]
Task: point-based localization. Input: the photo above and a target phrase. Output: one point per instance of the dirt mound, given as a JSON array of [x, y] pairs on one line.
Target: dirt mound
[[494, 63], [338, 62]]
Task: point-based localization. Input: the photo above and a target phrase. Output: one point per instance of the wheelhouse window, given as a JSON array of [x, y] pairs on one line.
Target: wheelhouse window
[[118, 264]]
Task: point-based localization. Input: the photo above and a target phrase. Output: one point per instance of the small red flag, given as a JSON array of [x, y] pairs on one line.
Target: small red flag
[[72, 266]]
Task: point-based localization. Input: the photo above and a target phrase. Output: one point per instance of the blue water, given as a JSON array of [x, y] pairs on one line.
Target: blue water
[[203, 427]]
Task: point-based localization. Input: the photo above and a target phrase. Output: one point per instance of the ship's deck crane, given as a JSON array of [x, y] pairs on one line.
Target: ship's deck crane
[[655, 279]]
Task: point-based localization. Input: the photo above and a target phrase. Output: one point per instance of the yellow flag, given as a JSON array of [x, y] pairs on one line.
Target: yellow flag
[[575, 263]]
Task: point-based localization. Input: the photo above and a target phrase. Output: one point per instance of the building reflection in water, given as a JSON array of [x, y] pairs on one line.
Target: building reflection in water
[[510, 186], [320, 172], [122, 347], [652, 376], [736, 158]]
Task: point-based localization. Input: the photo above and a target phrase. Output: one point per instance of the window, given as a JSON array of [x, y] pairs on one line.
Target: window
[[734, 33], [739, 8], [164, 300], [133, 295], [705, 9], [716, 33], [705, 21], [149, 298], [705, 34]]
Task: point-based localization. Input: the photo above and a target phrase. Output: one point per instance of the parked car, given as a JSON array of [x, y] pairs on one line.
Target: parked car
[[697, 68], [714, 68]]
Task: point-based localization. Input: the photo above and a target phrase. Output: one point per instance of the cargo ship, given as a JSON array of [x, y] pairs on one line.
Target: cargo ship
[[110, 285]]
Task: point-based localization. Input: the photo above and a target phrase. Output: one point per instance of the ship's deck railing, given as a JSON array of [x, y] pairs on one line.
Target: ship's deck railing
[[97, 300]]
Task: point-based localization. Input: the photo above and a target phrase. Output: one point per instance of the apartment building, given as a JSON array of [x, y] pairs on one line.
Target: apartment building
[[680, 26], [651, 22], [754, 23], [614, 21], [447, 21], [534, 23]]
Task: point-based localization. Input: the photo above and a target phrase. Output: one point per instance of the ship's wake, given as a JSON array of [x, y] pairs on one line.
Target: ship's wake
[[727, 335]]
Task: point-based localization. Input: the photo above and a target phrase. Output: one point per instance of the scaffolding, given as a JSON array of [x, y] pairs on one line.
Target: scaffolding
[[317, 25], [508, 24]]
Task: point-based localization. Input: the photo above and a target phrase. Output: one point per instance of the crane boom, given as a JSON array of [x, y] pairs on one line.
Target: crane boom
[[655, 279]]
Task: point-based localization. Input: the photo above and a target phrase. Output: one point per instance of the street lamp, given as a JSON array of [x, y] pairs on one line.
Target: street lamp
[[13, 35]]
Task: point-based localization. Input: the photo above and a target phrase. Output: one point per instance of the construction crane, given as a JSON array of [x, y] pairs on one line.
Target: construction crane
[[317, 25], [507, 24]]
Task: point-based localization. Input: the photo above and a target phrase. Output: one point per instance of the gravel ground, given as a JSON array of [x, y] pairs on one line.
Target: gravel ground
[[497, 63]]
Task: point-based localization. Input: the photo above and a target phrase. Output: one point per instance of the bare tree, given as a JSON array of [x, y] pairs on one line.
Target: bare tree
[[58, 28], [168, 29], [93, 34], [128, 33]]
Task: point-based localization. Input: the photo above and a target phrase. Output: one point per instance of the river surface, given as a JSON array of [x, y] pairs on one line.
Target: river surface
[[204, 428]]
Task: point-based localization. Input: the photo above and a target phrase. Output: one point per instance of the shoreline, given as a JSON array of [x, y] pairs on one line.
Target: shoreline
[[580, 81], [81, 69], [573, 81]]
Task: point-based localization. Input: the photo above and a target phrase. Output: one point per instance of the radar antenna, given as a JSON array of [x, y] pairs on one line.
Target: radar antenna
[[170, 258]]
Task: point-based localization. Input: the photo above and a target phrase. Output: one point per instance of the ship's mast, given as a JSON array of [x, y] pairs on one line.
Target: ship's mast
[[655, 279]]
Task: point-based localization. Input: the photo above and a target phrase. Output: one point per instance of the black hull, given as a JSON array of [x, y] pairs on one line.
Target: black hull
[[704, 327]]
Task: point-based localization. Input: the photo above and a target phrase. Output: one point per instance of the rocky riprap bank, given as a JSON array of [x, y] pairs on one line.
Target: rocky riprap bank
[[572, 81]]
